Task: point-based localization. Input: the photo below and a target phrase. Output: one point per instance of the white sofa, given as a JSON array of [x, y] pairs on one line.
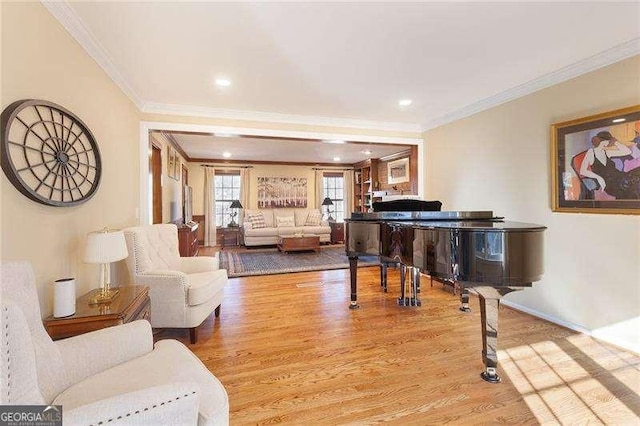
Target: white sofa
[[270, 234], [111, 376]]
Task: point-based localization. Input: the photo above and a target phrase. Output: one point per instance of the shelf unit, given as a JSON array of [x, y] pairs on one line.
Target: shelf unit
[[365, 182]]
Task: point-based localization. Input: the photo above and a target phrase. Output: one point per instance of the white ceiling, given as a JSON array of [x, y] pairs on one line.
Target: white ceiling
[[198, 146], [348, 61]]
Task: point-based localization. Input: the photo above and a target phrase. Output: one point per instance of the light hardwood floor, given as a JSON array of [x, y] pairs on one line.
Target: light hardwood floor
[[288, 350]]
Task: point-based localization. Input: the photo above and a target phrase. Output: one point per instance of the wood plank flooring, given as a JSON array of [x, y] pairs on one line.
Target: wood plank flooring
[[288, 350]]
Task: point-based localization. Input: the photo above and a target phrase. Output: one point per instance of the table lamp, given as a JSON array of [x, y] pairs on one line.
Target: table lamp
[[235, 204], [327, 202], [104, 247]]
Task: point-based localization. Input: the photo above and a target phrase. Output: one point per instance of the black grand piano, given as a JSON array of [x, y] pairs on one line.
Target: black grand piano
[[475, 249]]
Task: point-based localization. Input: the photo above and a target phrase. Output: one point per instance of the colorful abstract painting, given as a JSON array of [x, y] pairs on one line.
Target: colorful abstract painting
[[597, 163]]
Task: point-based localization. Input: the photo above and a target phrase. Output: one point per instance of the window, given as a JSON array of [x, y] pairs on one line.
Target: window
[[227, 189], [333, 187]]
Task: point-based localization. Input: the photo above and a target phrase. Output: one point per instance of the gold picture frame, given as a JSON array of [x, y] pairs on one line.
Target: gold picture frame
[[595, 163]]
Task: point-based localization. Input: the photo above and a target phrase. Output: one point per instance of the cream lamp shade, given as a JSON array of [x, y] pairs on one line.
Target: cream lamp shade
[[105, 247]]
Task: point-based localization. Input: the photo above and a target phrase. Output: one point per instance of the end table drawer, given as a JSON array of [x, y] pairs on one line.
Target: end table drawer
[[144, 313]]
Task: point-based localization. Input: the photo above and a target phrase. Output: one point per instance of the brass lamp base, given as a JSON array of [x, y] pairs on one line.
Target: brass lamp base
[[104, 296]]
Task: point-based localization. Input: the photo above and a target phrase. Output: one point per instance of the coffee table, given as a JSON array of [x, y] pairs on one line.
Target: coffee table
[[303, 242]]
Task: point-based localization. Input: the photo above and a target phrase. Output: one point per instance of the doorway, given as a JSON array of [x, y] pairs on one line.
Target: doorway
[[155, 181]]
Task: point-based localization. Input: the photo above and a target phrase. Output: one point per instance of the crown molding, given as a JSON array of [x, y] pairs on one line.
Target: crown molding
[[277, 133], [231, 114], [592, 63], [70, 20]]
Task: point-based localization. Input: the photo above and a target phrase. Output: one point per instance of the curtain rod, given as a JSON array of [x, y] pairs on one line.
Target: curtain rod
[[331, 170], [226, 166]]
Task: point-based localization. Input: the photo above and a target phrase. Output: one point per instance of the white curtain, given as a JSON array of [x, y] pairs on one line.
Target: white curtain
[[349, 206], [245, 181], [319, 189], [209, 207]]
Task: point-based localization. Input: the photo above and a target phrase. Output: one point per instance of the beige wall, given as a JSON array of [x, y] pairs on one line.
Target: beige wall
[[196, 181], [499, 160], [40, 60]]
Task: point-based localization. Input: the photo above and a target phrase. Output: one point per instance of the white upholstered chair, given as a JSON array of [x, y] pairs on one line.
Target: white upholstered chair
[[183, 290], [111, 376]]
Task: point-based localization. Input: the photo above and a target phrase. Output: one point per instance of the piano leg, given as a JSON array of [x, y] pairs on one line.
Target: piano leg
[[489, 315], [489, 304], [383, 275], [353, 272]]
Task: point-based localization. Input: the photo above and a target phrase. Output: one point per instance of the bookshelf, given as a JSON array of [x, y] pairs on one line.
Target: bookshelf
[[365, 182]]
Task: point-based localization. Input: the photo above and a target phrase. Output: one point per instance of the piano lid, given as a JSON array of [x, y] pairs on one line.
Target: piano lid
[[427, 215]]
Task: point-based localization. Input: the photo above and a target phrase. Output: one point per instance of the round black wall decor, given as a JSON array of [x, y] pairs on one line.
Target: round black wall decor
[[48, 153]]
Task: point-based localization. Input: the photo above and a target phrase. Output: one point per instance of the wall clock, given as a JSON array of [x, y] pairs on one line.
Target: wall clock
[[48, 153]]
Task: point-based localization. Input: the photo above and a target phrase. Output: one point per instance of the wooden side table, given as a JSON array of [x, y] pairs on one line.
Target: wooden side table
[[337, 232], [231, 236], [133, 303]]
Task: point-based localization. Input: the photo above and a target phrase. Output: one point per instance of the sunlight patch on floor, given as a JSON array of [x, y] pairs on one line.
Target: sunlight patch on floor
[[575, 380]]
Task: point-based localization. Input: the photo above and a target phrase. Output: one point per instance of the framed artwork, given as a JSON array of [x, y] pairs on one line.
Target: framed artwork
[[177, 166], [275, 192], [173, 163], [398, 171], [595, 163]]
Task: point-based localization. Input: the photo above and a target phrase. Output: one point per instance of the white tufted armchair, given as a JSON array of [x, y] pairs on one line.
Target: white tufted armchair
[[183, 290], [110, 376]]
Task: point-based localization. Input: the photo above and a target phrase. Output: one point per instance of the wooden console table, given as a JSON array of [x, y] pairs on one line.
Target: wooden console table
[[132, 304]]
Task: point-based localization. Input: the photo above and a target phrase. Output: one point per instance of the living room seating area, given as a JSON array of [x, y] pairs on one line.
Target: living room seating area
[[266, 226], [113, 375]]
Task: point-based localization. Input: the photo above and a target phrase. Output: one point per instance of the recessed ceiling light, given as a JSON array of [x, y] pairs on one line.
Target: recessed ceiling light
[[226, 154], [405, 102], [223, 82], [619, 120], [367, 152], [225, 135], [336, 158], [334, 141]]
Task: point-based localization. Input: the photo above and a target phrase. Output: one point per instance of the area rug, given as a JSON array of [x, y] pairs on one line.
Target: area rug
[[271, 261]]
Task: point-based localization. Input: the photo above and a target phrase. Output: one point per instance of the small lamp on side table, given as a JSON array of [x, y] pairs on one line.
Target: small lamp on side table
[[104, 247], [327, 202], [235, 204]]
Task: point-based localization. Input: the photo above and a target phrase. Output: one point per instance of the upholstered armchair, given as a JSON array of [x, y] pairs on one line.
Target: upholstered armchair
[[111, 376], [184, 291]]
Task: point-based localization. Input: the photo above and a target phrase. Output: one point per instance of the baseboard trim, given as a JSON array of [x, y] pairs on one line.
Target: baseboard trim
[[622, 344]]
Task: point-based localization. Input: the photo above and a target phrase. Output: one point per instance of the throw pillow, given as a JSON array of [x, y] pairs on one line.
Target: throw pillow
[[314, 218], [256, 220], [286, 221]]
